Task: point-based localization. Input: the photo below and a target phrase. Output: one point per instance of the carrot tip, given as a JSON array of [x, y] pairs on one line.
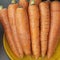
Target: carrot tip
[[43, 55], [36, 58], [48, 56], [1, 7], [43, 58]]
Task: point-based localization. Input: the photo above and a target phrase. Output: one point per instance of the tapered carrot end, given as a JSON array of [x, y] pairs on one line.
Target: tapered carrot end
[[21, 56], [37, 56], [48, 55], [1, 7], [43, 58], [43, 54]]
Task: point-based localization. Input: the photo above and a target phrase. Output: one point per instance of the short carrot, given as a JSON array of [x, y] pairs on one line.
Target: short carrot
[[7, 30], [55, 27], [34, 17], [45, 26], [23, 29], [12, 21], [36, 1], [24, 3]]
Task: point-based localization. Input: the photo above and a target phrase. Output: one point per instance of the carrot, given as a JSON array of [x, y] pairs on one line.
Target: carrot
[[24, 3], [7, 30], [23, 29], [55, 27], [36, 1], [45, 25], [34, 28], [12, 21]]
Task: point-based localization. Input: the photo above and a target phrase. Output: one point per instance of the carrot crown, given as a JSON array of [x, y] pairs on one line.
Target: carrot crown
[[1, 7], [32, 2], [13, 1]]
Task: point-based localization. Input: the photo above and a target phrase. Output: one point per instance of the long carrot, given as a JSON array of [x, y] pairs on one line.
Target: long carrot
[[34, 28], [7, 30], [45, 25], [23, 29], [55, 27], [12, 21], [36, 1], [24, 3]]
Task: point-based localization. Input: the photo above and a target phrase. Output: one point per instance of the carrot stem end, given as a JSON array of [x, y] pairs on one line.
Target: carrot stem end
[[13, 1], [32, 2], [1, 7]]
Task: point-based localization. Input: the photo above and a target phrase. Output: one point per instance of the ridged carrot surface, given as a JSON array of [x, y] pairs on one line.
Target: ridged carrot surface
[[55, 27], [4, 21], [23, 29], [45, 26], [34, 17], [12, 21]]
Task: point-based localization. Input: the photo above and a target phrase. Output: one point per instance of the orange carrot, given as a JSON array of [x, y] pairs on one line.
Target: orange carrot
[[55, 27], [12, 21], [45, 25], [7, 30], [23, 29], [34, 27], [36, 1], [24, 3]]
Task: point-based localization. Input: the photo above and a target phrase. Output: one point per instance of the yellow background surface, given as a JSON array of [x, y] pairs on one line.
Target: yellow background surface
[[56, 55]]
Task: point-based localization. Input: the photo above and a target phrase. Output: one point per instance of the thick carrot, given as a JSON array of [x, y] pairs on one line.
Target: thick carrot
[[55, 27], [45, 25], [34, 28], [23, 29], [24, 3], [36, 1], [7, 30], [12, 21]]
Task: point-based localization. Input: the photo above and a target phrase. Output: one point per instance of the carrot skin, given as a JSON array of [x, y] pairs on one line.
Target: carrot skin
[[55, 27], [34, 28], [45, 26], [12, 21], [23, 30], [24, 4], [7, 30]]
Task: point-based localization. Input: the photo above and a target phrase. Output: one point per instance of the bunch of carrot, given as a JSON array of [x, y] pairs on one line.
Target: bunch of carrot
[[31, 27]]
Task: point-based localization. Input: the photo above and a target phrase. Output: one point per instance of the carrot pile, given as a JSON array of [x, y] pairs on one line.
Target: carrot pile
[[12, 21], [31, 28]]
